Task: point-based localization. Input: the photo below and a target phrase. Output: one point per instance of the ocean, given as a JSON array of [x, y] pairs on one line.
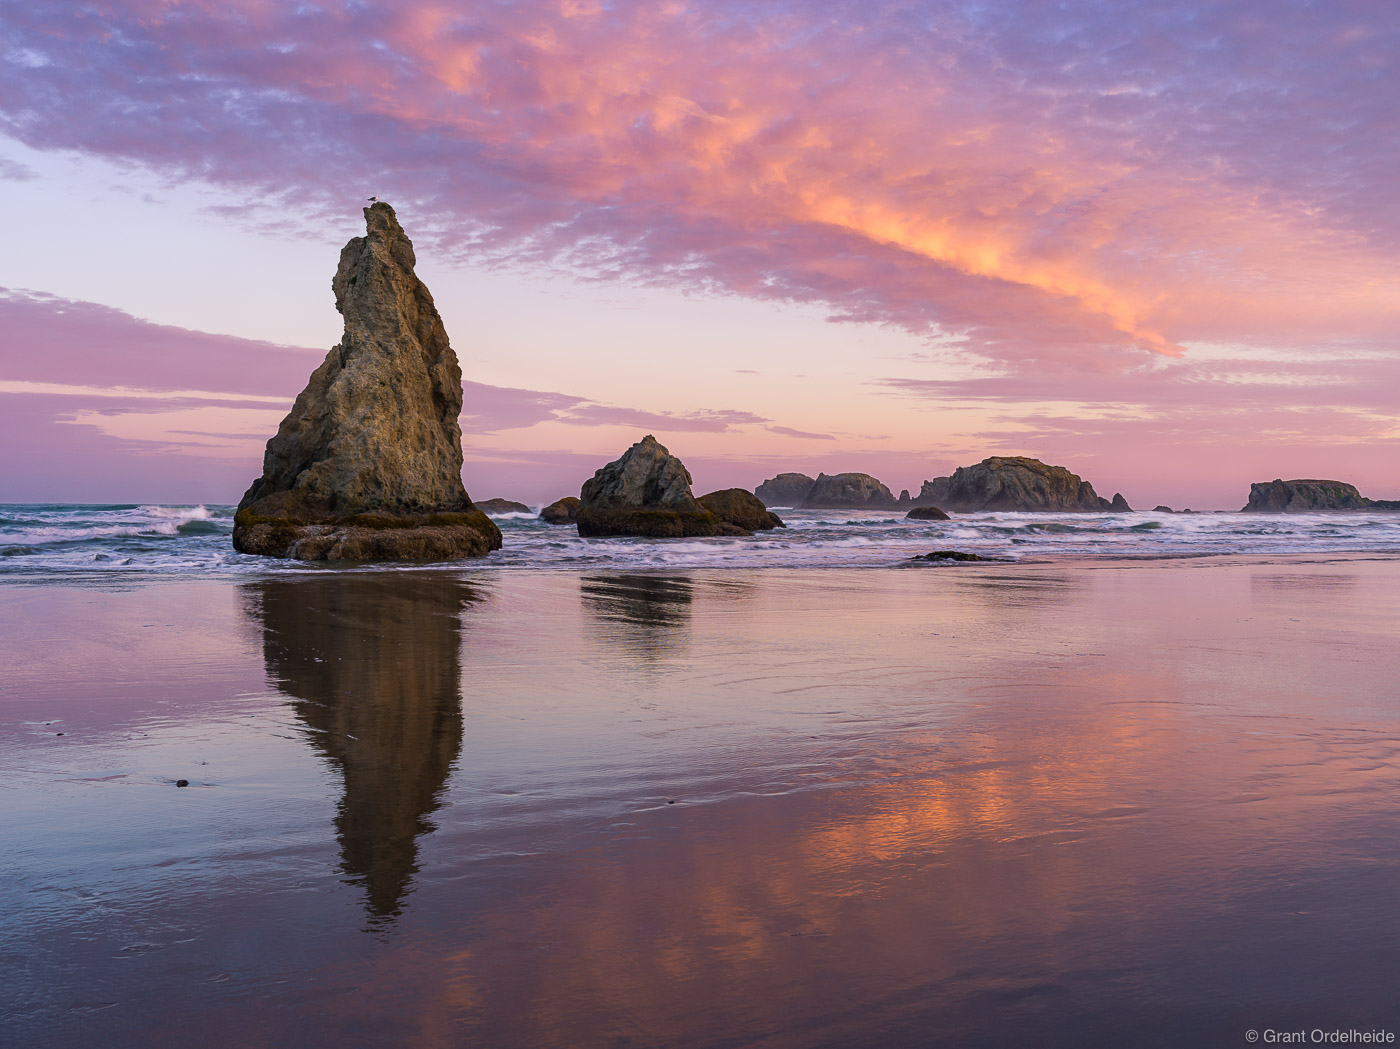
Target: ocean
[[1134, 785], [40, 541]]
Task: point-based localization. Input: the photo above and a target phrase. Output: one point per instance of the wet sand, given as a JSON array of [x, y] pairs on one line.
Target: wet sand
[[1151, 803]]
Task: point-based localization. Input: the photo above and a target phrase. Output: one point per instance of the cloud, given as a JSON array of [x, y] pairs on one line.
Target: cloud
[[788, 431], [1068, 186], [10, 171], [165, 393]]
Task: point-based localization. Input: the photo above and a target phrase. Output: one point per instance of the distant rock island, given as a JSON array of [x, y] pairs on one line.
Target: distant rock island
[[1301, 496], [851, 491], [502, 506], [561, 511], [1016, 483], [367, 466], [785, 490], [645, 492]]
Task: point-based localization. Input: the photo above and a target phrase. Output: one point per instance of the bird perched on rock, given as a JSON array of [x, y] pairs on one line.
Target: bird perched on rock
[[373, 200]]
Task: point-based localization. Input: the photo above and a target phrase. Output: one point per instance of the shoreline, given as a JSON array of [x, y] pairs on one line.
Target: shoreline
[[468, 568]]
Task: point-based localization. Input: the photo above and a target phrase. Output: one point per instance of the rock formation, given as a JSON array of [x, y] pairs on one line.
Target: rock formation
[[953, 555], [848, 492], [1163, 510], [784, 490], [735, 506], [647, 493], [1302, 496], [368, 463], [1015, 483], [926, 513], [1119, 505], [502, 506], [561, 511]]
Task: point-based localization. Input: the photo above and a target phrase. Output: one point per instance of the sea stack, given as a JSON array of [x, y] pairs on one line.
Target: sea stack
[[1016, 483], [787, 489], [367, 466], [645, 492], [851, 491], [1304, 495]]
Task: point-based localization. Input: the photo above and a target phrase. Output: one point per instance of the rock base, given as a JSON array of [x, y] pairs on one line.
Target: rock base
[[654, 524], [926, 513], [272, 531], [737, 507], [561, 511]]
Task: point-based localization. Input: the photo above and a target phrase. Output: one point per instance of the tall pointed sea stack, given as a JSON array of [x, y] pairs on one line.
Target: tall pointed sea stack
[[367, 466]]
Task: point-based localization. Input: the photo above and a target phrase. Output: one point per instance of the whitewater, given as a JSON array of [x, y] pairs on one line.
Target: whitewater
[[38, 541]]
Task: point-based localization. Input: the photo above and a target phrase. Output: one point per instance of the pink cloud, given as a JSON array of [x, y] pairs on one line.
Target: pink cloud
[[1065, 185], [108, 403]]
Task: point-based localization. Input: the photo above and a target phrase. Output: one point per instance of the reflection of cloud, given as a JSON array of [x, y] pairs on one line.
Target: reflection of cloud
[[1063, 183], [372, 664]]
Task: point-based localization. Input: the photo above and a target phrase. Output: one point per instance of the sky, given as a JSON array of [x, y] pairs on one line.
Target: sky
[[1155, 242]]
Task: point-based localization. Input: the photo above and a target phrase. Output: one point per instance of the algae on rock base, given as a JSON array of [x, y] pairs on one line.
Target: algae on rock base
[[368, 463]]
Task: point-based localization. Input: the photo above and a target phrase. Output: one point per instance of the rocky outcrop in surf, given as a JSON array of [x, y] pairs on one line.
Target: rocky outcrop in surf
[[742, 509], [645, 492], [502, 506], [787, 489], [1303, 496], [367, 466], [850, 491], [926, 513], [561, 511], [1016, 483]]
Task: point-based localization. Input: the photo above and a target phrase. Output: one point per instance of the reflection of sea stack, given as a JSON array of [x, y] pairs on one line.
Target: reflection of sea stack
[[372, 664], [368, 463]]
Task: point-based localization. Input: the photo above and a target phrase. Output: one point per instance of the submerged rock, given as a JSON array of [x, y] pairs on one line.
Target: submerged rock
[[367, 465], [502, 506], [953, 555], [646, 492], [784, 490], [738, 507], [926, 513], [561, 511], [850, 491], [1302, 496], [1014, 483]]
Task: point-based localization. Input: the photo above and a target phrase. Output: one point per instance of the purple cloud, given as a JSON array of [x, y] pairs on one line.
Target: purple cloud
[[1069, 185]]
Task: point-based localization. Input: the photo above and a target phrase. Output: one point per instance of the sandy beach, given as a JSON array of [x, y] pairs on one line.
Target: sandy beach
[[1147, 803]]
